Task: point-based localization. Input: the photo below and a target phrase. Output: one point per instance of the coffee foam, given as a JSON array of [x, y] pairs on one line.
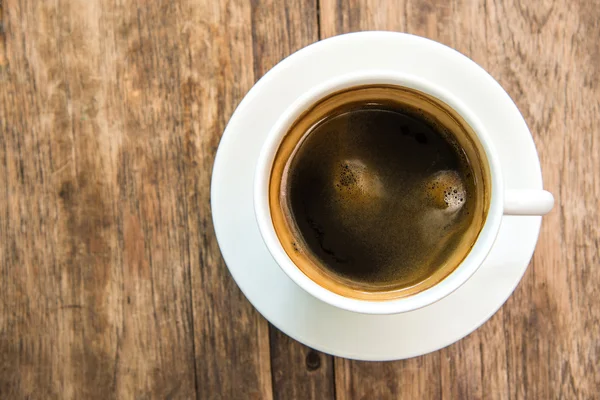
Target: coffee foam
[[446, 190]]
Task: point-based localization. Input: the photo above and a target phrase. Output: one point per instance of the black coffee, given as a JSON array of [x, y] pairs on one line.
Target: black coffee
[[377, 195]]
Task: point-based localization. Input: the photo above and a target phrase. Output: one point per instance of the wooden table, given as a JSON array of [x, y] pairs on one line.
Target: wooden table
[[111, 280]]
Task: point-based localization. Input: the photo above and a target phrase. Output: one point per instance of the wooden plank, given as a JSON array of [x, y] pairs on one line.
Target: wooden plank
[[111, 280], [553, 320], [231, 339], [279, 29], [543, 343]]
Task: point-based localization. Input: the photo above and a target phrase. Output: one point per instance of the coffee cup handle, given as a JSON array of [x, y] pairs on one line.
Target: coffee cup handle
[[527, 202]]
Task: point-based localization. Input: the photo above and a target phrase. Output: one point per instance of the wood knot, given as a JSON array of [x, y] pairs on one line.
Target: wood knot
[[67, 190], [313, 360]]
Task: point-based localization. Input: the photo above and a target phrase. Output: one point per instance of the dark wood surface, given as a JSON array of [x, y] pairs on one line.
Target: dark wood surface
[[111, 280]]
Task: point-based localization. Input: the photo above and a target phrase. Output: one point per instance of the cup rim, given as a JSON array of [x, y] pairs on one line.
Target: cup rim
[[447, 285]]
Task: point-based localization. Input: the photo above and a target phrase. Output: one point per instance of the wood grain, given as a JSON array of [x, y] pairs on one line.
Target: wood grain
[[231, 339], [544, 342], [111, 280]]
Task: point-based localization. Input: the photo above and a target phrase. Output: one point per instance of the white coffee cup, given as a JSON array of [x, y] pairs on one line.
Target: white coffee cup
[[502, 201]]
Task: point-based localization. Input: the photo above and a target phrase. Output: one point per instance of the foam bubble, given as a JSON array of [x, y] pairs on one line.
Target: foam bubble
[[353, 178], [446, 190], [358, 189]]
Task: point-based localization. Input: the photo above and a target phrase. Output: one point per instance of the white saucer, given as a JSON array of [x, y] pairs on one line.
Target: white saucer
[[319, 325]]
